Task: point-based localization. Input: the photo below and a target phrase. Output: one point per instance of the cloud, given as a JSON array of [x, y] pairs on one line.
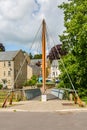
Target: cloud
[[20, 20], [36, 10]]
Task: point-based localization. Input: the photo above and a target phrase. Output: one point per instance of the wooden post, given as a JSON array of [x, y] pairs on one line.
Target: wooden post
[[11, 98], [5, 101], [44, 56]]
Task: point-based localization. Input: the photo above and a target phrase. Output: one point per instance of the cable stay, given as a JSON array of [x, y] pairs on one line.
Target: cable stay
[[77, 99], [11, 92], [36, 46]]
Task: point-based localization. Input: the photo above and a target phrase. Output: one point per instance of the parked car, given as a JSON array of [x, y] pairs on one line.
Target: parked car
[[57, 81]]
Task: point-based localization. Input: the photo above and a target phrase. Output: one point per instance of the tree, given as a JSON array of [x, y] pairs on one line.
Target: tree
[[31, 56], [31, 82], [74, 40], [37, 56], [55, 51], [2, 48]]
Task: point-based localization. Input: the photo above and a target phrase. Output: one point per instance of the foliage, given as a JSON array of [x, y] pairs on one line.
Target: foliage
[[1, 86], [55, 51], [74, 40], [31, 82], [84, 99], [31, 56], [48, 85], [3, 94], [2, 48], [36, 56], [72, 67]]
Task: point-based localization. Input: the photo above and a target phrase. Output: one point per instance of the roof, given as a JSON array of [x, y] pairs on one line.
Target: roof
[[34, 67], [8, 55], [34, 61]]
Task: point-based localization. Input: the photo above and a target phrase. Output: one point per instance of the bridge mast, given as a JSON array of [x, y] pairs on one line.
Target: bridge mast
[[44, 55]]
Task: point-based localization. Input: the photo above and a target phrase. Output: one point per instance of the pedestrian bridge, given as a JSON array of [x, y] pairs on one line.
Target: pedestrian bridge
[[35, 94]]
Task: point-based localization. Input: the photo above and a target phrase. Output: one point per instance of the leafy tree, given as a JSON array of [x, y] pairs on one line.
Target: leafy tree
[[74, 40], [55, 51], [31, 82], [37, 56], [1, 86], [71, 65], [31, 56], [2, 48]]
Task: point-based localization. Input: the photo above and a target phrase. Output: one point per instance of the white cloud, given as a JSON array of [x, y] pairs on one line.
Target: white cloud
[[20, 20]]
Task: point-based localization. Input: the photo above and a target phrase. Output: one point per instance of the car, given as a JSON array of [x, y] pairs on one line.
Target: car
[[57, 81]]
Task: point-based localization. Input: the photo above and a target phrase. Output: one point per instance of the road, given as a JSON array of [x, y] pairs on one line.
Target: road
[[43, 120]]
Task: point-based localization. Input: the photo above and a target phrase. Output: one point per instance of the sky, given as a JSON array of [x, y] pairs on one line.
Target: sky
[[21, 19]]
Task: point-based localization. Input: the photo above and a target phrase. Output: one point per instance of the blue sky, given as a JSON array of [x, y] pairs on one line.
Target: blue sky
[[20, 20]]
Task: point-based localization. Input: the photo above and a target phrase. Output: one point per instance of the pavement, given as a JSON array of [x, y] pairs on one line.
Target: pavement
[[55, 105]]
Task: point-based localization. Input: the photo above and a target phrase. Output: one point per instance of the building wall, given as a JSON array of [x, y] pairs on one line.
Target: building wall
[[29, 72], [7, 73], [55, 72], [18, 63], [33, 70]]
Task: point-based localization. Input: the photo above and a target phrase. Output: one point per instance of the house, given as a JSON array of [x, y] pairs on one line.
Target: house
[[54, 71], [10, 73], [34, 68]]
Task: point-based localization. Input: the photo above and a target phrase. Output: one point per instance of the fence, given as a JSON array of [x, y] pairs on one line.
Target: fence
[[58, 93]]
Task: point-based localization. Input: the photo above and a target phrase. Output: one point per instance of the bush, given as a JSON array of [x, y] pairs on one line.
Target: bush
[[31, 82], [48, 85], [1, 86], [82, 92]]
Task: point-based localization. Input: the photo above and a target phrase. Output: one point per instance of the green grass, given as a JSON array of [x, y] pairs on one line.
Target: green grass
[[3, 95], [84, 99]]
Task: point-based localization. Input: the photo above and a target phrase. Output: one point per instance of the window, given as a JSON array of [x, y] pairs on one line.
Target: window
[[53, 73], [4, 81], [9, 63], [9, 73]]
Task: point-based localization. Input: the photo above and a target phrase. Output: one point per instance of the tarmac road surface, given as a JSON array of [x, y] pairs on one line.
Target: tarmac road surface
[[43, 120]]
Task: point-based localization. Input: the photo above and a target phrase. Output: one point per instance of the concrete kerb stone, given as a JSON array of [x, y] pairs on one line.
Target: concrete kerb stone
[[59, 111], [12, 110]]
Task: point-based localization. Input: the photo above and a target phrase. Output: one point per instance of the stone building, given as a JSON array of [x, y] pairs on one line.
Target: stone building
[[11, 76], [54, 72], [34, 68]]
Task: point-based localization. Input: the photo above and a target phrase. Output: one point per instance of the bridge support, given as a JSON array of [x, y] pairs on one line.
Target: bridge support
[[44, 97]]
